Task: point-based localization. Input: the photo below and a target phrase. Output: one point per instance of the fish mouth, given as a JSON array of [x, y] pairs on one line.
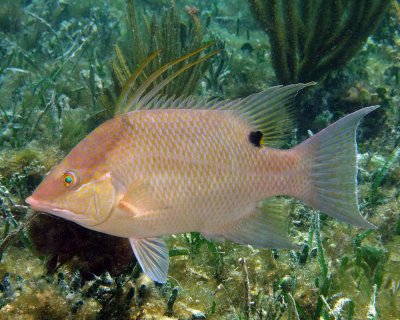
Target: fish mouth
[[43, 206]]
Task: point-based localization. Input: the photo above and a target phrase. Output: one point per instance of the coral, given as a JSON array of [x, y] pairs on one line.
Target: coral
[[311, 38]]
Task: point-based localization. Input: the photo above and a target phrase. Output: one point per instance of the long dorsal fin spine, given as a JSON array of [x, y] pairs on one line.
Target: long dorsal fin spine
[[131, 81], [133, 101], [152, 93]]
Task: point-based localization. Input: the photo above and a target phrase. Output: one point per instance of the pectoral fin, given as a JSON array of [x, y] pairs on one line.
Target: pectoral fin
[[139, 200], [152, 255]]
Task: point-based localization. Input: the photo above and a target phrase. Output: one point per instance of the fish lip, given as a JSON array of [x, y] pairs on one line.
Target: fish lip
[[42, 206]]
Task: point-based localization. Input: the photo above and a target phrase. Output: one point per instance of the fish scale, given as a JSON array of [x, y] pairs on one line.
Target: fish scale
[[215, 158]]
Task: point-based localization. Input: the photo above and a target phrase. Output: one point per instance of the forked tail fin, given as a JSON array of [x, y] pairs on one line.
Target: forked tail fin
[[330, 159]]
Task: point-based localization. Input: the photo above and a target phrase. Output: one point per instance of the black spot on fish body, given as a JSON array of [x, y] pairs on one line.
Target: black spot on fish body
[[255, 138]]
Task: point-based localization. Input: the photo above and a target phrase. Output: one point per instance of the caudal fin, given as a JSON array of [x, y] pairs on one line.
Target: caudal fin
[[330, 159]]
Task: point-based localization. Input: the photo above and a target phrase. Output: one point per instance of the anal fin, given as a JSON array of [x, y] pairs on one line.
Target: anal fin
[[152, 255], [264, 227]]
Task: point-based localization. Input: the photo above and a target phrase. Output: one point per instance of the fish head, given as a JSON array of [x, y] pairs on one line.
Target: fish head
[[70, 194], [77, 192]]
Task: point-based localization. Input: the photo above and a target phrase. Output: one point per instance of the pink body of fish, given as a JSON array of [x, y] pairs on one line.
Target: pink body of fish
[[184, 167]]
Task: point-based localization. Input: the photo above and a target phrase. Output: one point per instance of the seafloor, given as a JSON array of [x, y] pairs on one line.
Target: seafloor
[[59, 74]]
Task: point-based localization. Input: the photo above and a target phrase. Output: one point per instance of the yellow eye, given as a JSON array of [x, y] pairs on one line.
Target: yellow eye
[[69, 179]]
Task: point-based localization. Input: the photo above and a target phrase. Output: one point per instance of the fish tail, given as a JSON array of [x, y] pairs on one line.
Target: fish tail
[[329, 163]]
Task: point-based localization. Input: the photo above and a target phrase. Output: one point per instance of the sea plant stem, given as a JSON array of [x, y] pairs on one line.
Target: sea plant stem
[[372, 313], [171, 301], [324, 278], [246, 289], [382, 173], [11, 237]]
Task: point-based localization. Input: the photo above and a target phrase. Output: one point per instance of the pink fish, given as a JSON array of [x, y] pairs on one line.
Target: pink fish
[[174, 166]]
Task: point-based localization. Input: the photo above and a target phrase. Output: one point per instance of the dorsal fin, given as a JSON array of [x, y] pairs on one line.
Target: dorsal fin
[[139, 99], [268, 111]]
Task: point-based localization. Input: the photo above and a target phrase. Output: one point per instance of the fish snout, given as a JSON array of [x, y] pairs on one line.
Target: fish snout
[[32, 202], [38, 205]]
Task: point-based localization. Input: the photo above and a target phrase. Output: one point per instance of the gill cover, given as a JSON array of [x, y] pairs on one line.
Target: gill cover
[[94, 200]]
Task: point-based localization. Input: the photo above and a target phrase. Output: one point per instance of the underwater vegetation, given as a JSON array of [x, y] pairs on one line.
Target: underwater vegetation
[[311, 38], [47, 67], [166, 34], [57, 82]]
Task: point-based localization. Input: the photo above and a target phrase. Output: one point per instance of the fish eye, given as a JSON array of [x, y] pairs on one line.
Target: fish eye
[[69, 179]]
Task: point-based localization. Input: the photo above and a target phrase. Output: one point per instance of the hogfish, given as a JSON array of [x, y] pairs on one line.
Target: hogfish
[[180, 165]]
